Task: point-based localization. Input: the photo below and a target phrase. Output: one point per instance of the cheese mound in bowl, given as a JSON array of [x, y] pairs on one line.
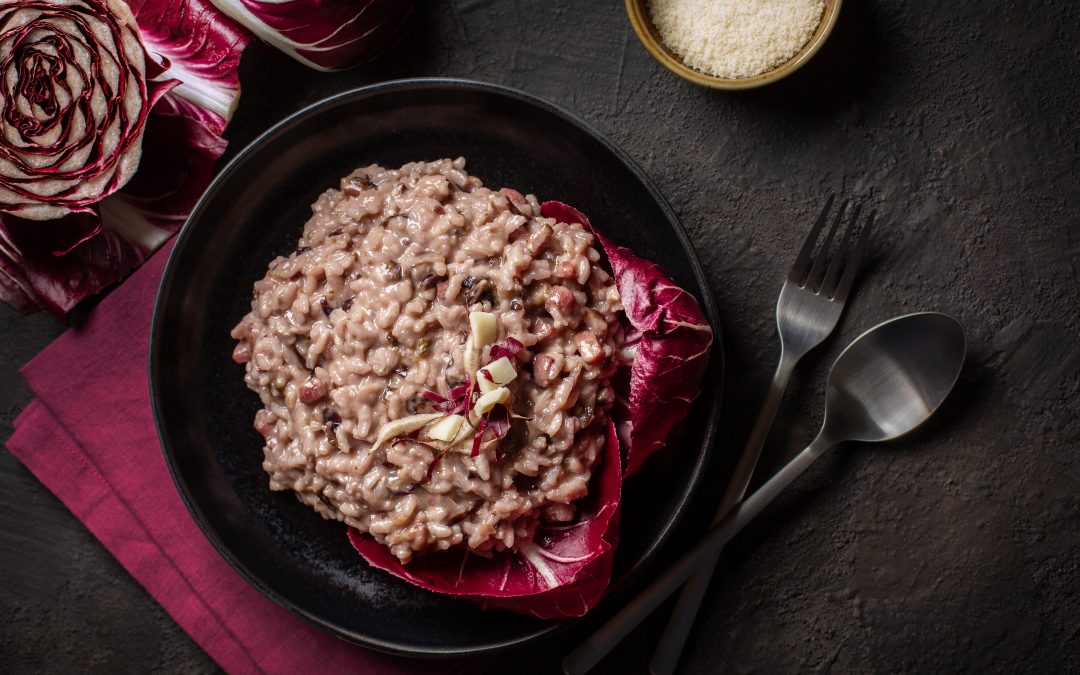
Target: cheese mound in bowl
[[434, 361]]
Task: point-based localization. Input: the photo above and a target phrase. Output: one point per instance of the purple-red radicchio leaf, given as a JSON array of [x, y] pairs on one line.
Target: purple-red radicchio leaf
[[323, 34], [200, 48], [669, 345], [562, 572], [35, 276], [433, 396]]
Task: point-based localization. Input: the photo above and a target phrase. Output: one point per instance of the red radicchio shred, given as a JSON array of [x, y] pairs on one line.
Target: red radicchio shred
[[431, 467], [487, 375], [456, 402], [460, 391], [508, 348], [447, 407], [432, 396], [478, 437]]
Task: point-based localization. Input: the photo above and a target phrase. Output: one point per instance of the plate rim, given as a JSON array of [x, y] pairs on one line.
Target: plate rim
[[716, 364]]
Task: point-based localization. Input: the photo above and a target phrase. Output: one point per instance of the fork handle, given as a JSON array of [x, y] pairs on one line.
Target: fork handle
[[589, 652], [679, 625]]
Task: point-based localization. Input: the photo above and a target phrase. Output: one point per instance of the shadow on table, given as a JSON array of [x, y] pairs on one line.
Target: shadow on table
[[857, 57]]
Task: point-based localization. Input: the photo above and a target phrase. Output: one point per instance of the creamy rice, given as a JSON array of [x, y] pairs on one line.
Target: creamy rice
[[372, 309]]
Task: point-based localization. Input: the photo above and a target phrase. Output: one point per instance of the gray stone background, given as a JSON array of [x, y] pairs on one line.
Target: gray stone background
[[955, 550]]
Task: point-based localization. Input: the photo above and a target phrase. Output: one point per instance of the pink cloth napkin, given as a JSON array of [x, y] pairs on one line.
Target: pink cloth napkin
[[90, 438]]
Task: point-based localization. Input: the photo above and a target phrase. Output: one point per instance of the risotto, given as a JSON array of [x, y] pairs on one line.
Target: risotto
[[434, 360]]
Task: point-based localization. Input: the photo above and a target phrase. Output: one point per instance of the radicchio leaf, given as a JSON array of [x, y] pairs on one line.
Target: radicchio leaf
[[323, 34], [33, 278], [201, 48], [673, 339], [432, 396], [160, 196], [563, 572]]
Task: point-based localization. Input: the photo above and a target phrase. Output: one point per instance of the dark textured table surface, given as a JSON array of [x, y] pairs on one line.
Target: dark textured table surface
[[954, 550]]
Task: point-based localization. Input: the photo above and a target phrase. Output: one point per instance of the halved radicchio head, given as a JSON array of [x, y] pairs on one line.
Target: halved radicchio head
[[565, 570], [78, 79], [76, 89], [80, 104]]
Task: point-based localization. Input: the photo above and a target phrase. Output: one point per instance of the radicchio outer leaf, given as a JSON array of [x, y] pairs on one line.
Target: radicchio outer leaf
[[159, 197], [33, 278], [323, 34], [562, 572], [201, 49], [671, 342]]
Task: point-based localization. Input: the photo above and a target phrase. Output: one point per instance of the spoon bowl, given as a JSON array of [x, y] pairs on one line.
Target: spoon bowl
[[893, 377], [886, 383]]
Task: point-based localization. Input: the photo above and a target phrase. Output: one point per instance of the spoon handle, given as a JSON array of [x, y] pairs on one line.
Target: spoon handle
[[681, 621], [589, 653]]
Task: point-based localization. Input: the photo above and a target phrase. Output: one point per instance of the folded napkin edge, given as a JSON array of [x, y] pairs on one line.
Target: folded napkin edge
[[38, 436]]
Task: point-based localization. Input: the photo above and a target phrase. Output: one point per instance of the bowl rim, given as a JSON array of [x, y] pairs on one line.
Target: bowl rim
[[716, 365], [643, 27]]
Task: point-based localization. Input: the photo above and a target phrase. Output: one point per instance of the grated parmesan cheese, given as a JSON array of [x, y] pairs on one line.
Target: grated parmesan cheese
[[735, 38]]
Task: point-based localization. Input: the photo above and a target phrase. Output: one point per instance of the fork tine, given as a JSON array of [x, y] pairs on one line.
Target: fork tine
[[828, 287], [856, 258], [802, 262], [813, 282]]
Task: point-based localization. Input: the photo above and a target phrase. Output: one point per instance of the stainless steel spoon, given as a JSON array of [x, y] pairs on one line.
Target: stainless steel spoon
[[886, 383]]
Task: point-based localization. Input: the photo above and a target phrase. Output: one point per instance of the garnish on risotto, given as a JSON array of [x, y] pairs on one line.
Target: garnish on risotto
[[438, 365]]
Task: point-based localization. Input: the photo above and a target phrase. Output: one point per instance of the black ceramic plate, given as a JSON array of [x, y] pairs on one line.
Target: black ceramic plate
[[254, 211]]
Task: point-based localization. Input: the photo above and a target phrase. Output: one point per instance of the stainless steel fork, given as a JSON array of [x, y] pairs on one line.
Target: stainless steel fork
[[811, 302]]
